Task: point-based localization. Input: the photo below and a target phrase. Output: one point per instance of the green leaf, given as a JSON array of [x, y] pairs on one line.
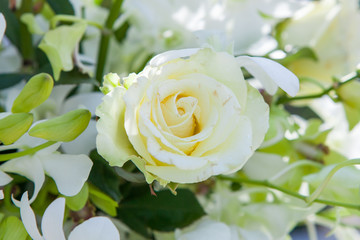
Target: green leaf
[[120, 33], [61, 6], [12, 228], [10, 79], [104, 177], [303, 111], [77, 202], [59, 45], [14, 126], [103, 201], [35, 92], [29, 20], [164, 212], [64, 128], [352, 115]]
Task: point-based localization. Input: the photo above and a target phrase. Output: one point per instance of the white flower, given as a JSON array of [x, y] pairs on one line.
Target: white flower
[[68, 171], [189, 115], [330, 28], [51, 225]]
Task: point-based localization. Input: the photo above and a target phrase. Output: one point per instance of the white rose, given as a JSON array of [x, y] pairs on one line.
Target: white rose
[[189, 115]]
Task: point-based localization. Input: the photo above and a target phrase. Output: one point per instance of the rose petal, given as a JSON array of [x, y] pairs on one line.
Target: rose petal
[[69, 172], [52, 221], [95, 228], [271, 74], [171, 55], [28, 218], [112, 140]]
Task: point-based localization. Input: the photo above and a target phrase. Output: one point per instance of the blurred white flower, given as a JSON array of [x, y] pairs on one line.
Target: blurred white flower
[[331, 28], [69, 172], [185, 23], [52, 224]]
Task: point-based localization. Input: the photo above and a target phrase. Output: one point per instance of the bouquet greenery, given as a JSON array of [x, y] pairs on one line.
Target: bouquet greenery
[[179, 119]]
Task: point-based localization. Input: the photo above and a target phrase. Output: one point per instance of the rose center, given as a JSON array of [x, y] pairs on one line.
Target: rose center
[[181, 114]]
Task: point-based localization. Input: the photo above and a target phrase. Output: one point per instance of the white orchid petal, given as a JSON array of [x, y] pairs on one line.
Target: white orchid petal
[[95, 228], [4, 178], [84, 100], [28, 218], [2, 26], [69, 172], [52, 221], [171, 55], [1, 194], [29, 167], [271, 74]]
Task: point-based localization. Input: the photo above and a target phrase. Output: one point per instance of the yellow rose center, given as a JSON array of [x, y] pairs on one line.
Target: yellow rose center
[[181, 114]]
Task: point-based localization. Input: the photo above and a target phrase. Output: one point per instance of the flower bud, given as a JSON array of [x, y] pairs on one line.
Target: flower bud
[[111, 81], [349, 94], [35, 92], [14, 126], [64, 128]]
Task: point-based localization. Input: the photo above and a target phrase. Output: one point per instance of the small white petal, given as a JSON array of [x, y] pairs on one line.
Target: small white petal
[[28, 218], [4, 178], [95, 228], [29, 167], [271, 74], [2, 26], [52, 221], [69, 172], [1, 194], [171, 55], [85, 100]]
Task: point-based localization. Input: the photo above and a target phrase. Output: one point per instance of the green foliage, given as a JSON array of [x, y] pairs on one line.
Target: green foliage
[[12, 228], [64, 128], [77, 202], [164, 212], [61, 6], [104, 177], [35, 92], [14, 126], [59, 45], [102, 201]]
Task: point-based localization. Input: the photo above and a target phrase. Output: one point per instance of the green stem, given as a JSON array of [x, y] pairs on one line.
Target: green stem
[[105, 39], [7, 156], [26, 47], [284, 99], [322, 186], [287, 191]]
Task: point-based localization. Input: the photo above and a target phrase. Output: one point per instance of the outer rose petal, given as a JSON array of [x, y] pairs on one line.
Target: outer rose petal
[[162, 58], [271, 74], [112, 141]]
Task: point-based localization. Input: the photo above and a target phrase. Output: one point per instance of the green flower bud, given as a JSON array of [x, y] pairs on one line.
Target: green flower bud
[[111, 81], [14, 126], [35, 92], [64, 128], [349, 94]]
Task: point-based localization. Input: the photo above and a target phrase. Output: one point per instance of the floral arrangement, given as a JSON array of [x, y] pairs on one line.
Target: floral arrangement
[[186, 120]]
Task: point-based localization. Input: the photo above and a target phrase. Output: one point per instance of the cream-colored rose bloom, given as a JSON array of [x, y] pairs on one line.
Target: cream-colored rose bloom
[[187, 116]]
